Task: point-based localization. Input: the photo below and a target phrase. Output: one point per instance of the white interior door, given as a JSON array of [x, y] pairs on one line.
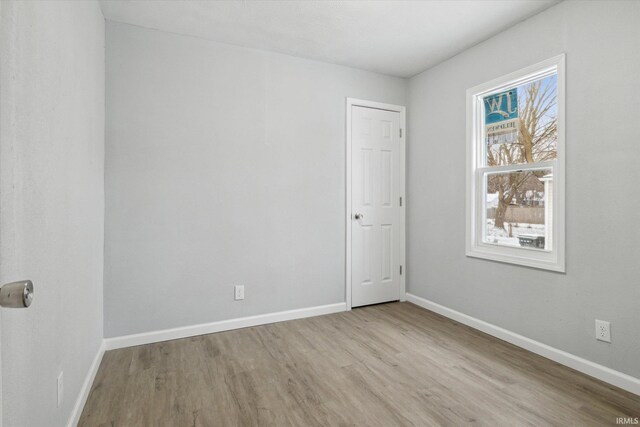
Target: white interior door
[[375, 202]]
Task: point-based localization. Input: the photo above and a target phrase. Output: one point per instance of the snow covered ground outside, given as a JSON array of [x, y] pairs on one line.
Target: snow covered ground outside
[[501, 235]]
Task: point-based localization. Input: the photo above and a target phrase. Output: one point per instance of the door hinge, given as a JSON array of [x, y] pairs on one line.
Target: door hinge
[[400, 132], [400, 201], [400, 270]]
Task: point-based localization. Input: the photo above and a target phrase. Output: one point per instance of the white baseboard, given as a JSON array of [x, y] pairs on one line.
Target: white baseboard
[[223, 325], [86, 388], [585, 366]]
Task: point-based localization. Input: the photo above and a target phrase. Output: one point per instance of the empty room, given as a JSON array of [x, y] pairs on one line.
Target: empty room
[[319, 213]]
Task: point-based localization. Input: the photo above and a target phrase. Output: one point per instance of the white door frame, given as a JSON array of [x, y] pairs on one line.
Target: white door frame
[[351, 102]]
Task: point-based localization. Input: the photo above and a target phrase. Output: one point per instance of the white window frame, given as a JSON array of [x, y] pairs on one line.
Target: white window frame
[[553, 259]]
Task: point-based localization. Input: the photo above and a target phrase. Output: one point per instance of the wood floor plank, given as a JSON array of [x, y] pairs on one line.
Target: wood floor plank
[[383, 365]]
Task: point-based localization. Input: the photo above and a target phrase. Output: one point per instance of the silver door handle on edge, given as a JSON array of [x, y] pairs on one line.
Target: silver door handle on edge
[[16, 294], [358, 216]]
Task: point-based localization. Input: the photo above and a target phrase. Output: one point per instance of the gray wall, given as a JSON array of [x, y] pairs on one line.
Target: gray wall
[[224, 166], [602, 43], [51, 201]]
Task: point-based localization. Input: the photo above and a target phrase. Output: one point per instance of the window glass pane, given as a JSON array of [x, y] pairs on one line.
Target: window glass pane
[[520, 123], [518, 209]]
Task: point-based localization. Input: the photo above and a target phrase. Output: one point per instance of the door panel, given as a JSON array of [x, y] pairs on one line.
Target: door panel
[[375, 197]]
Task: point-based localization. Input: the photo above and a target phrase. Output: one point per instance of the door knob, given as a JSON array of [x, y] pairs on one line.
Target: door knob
[[358, 216], [16, 294]]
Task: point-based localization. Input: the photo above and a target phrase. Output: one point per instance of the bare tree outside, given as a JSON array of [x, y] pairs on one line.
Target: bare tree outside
[[536, 142]]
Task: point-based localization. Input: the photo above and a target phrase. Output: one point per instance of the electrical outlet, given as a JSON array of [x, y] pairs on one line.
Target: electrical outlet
[[239, 292], [603, 331], [60, 388]]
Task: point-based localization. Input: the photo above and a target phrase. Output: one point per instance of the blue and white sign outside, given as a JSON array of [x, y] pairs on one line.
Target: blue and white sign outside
[[501, 117]]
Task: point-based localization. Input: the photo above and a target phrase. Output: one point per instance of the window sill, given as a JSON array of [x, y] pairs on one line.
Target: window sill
[[519, 256]]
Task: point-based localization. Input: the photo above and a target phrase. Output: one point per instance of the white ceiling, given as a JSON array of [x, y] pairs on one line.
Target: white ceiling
[[399, 38]]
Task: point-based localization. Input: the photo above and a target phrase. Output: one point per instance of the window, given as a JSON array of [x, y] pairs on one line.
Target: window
[[515, 167]]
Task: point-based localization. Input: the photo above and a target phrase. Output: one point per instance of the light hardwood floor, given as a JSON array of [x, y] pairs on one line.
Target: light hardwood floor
[[383, 365]]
